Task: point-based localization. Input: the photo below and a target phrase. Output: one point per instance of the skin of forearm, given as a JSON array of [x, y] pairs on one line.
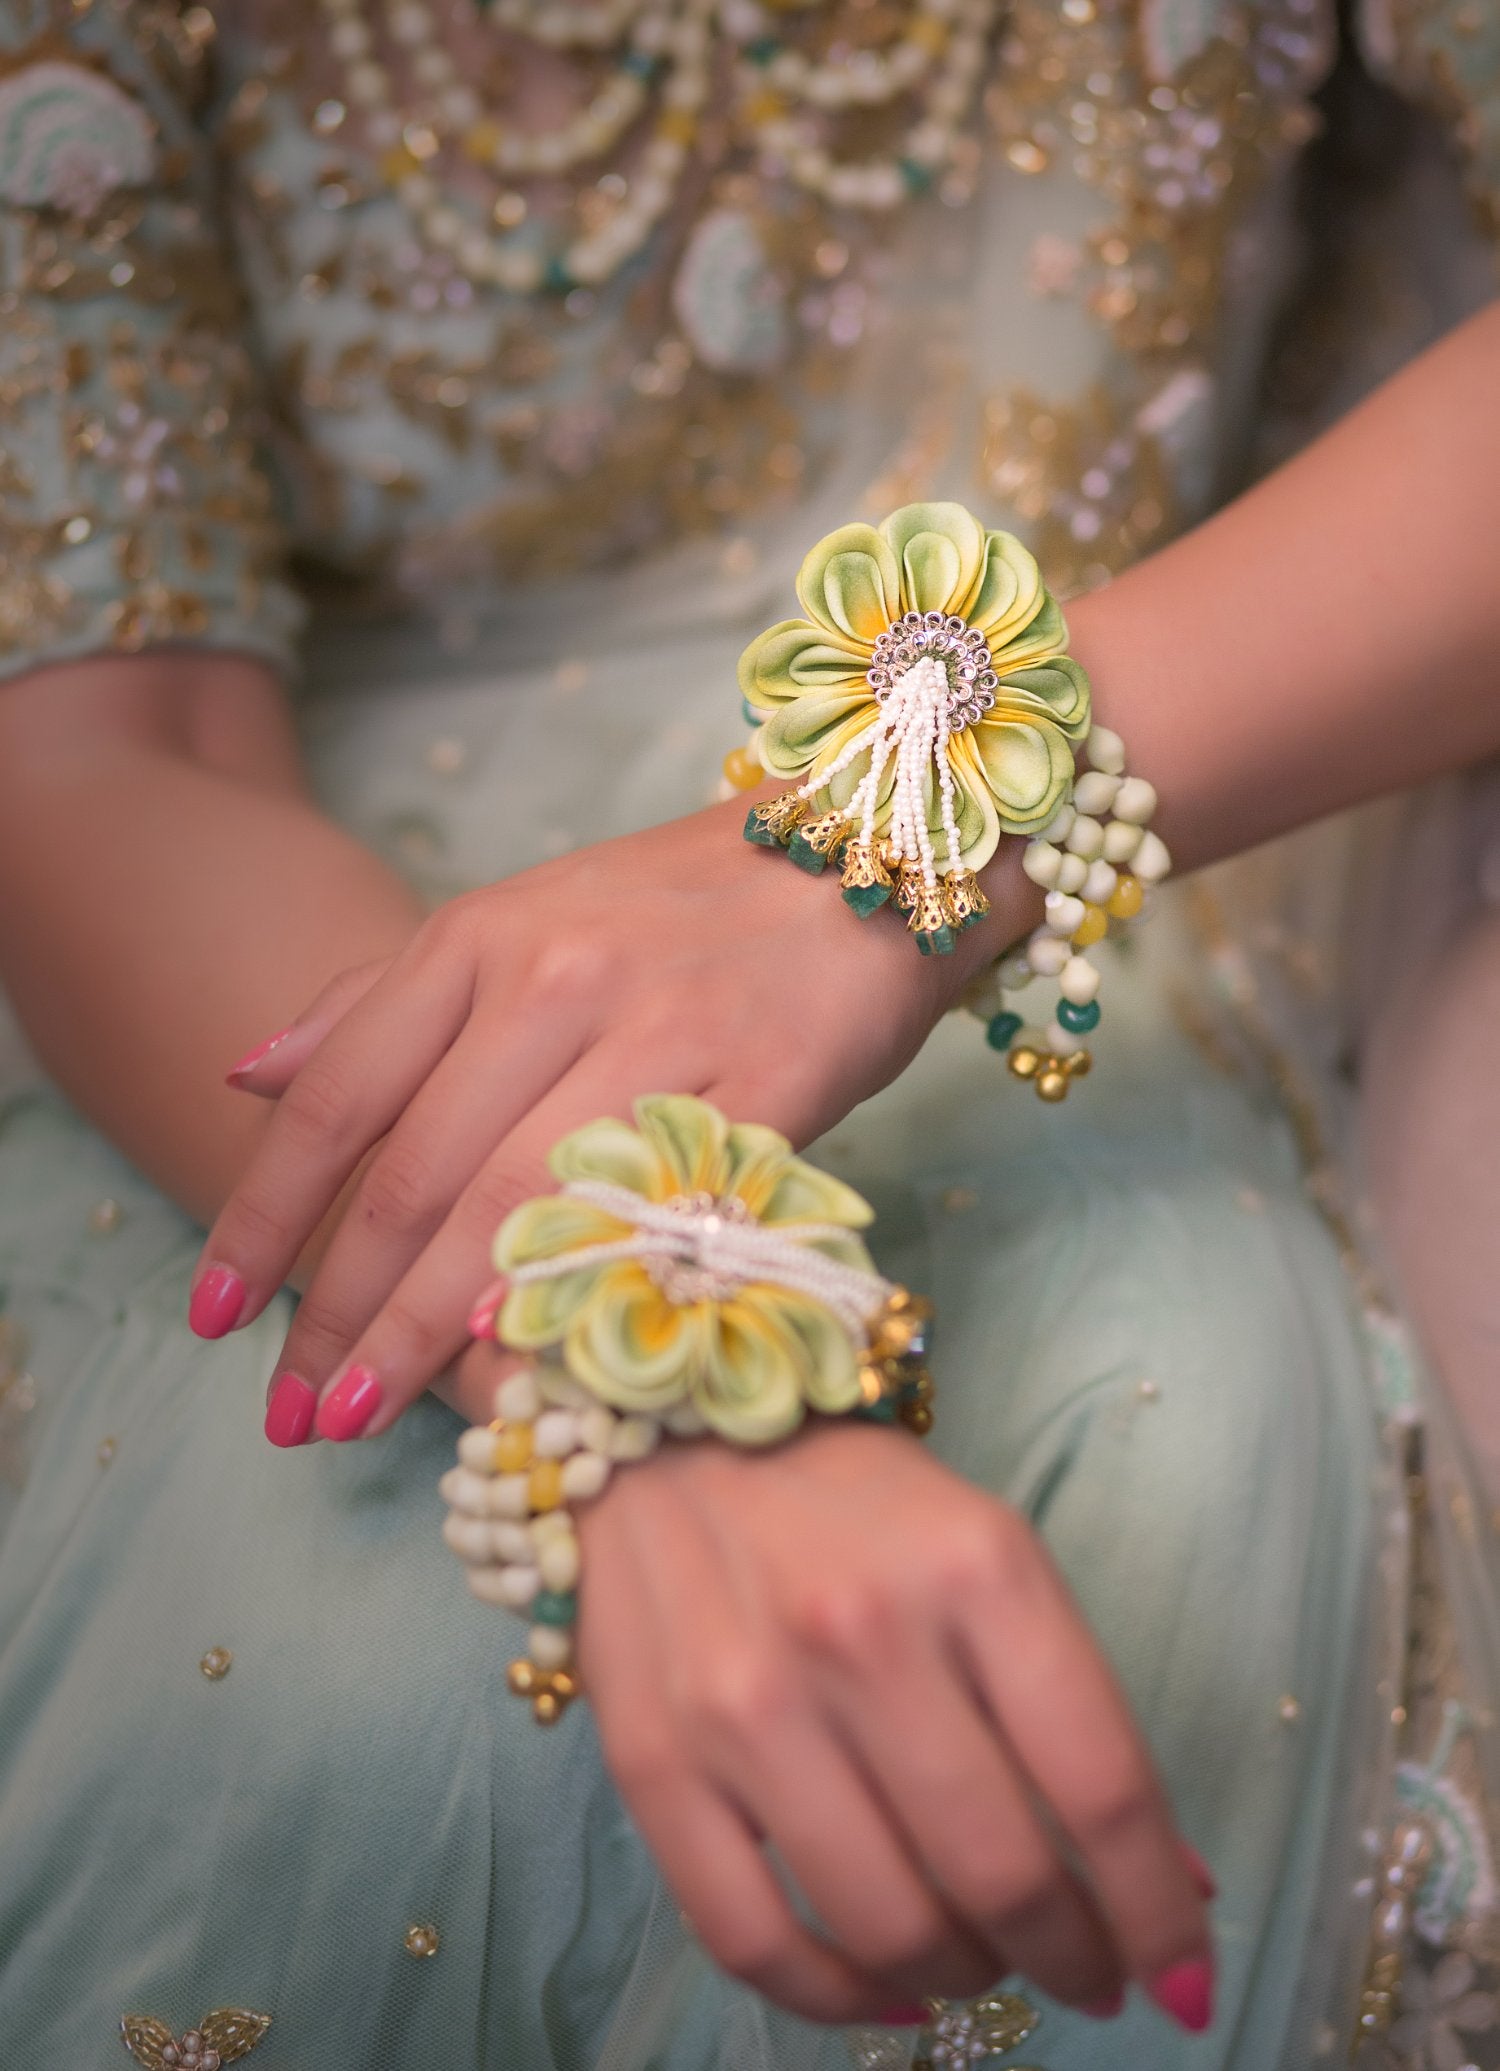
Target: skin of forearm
[[169, 895], [1332, 635]]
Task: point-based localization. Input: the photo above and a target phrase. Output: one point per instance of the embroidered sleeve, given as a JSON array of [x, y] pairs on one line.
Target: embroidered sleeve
[[1445, 56], [134, 506]]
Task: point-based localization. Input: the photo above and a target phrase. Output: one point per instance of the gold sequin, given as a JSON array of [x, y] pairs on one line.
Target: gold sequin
[[106, 1450], [105, 1217], [216, 1663], [421, 1940]]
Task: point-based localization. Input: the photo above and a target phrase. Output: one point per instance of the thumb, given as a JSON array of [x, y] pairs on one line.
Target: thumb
[[271, 1066]]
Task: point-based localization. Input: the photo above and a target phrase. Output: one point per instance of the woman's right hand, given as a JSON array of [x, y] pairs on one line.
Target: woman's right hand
[[843, 1653]]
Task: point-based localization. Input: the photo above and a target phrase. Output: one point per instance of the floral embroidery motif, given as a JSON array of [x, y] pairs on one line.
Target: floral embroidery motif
[[222, 2037], [974, 2032], [730, 304], [70, 137]]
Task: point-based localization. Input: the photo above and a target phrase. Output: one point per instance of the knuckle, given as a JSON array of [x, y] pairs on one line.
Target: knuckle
[[259, 1221], [737, 1699], [848, 1622], [321, 1334], [982, 1551], [419, 1334], [399, 1191], [492, 1194], [573, 967], [316, 1106], [640, 1758], [1005, 1893], [1111, 1800], [896, 1943]]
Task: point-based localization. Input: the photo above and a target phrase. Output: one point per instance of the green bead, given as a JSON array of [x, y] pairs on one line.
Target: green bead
[[752, 717], [882, 1412], [805, 856], [557, 280], [554, 1607], [918, 178], [763, 50], [639, 63], [866, 898], [1078, 1019], [935, 941], [1002, 1030]]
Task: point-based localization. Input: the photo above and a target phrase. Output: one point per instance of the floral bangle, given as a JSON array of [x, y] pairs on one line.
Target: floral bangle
[[927, 705], [691, 1277]]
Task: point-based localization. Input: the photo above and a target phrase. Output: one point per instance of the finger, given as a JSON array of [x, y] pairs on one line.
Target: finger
[[423, 1324], [706, 1849], [1040, 1671], [408, 1192], [344, 1099], [953, 1789], [839, 1842], [271, 1066]]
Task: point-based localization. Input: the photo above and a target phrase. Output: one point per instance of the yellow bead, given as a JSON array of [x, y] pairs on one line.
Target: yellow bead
[[1024, 1063], [764, 106], [743, 769], [482, 142], [546, 1709], [397, 165], [1052, 1084], [1125, 899], [513, 1449], [678, 126], [544, 1485], [1091, 928], [522, 1678]]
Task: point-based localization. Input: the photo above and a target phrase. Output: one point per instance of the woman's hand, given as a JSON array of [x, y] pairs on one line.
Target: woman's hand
[[844, 1653], [678, 960]]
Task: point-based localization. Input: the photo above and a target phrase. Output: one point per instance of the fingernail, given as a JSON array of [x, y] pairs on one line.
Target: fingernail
[[215, 1303], [904, 2017], [485, 1310], [1186, 1992], [289, 1413], [347, 1408], [1200, 1872], [1105, 2009], [253, 1057]]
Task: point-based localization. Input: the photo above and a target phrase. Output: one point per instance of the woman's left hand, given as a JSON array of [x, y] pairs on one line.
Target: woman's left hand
[[679, 960]]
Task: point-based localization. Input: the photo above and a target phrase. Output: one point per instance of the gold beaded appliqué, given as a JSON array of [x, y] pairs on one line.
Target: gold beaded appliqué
[[221, 2037]]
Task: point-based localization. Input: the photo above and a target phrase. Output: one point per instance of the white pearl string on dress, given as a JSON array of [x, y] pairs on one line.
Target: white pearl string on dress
[[708, 1248]]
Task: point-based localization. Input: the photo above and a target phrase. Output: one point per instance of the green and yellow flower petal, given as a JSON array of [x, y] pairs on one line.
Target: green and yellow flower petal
[[1057, 690], [549, 1226], [979, 828], [749, 1387], [1009, 590], [632, 1346], [690, 1136], [1029, 768], [941, 549], [614, 1152], [756, 1157], [542, 1312], [795, 660], [813, 730], [801, 1193], [850, 584], [828, 1364]]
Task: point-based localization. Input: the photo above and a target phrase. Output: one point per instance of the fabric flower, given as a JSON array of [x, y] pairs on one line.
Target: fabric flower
[[1000, 710], [650, 1333]]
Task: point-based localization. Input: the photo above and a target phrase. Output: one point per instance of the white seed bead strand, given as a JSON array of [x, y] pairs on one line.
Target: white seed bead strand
[[1077, 859]]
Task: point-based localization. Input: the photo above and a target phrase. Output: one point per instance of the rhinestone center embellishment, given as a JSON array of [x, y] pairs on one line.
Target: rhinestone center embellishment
[[961, 649], [686, 1280]]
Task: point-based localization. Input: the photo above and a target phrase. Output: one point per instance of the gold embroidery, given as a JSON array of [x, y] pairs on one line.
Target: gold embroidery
[[221, 2037]]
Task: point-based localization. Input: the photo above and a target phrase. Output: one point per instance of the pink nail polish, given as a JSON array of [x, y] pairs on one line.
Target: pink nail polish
[[485, 1310], [1105, 2009], [904, 2017], [253, 1057], [289, 1413], [215, 1303], [347, 1408], [1186, 1992], [1199, 1871]]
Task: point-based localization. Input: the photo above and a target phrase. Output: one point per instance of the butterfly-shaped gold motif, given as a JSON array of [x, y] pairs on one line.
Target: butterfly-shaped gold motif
[[221, 2037]]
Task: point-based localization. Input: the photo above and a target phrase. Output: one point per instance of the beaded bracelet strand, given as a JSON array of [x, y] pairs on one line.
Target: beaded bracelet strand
[[657, 1231], [927, 706]]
